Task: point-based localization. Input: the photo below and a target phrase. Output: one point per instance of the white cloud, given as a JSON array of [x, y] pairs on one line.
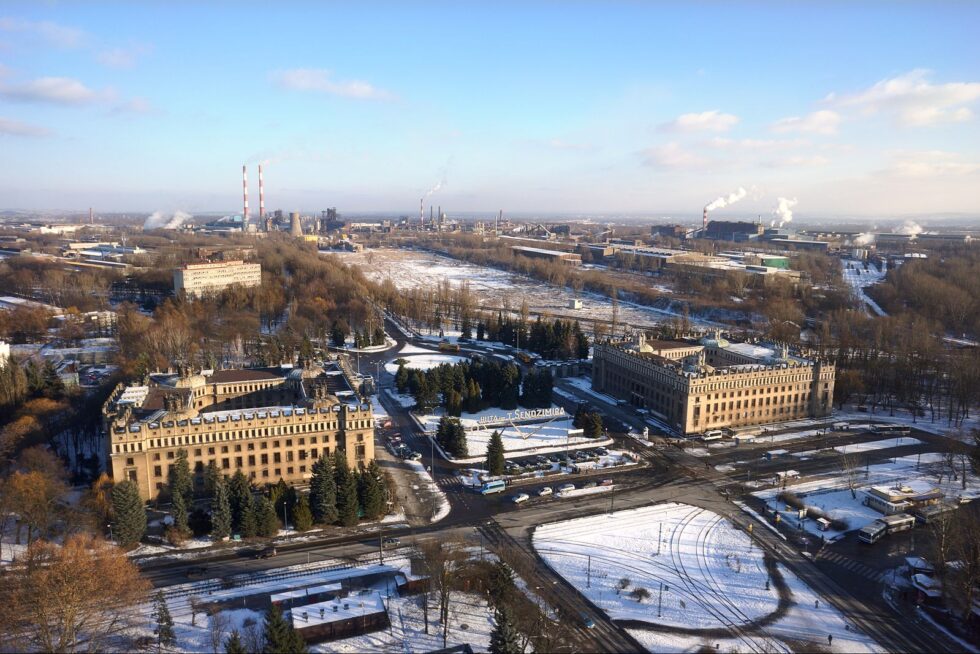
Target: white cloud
[[55, 90], [61, 36], [799, 161], [930, 164], [671, 155], [722, 143], [321, 81], [126, 57], [17, 128], [824, 121], [706, 121], [914, 100]]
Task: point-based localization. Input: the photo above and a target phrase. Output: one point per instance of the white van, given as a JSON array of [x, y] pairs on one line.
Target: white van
[[712, 435]]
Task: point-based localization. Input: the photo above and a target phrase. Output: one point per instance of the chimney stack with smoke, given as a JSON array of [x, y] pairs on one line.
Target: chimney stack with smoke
[[244, 197], [91, 216], [704, 219], [421, 212], [261, 196]]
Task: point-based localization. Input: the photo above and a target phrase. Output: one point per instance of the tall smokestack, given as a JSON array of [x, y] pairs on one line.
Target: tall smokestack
[[421, 211], [244, 197], [704, 221], [91, 216], [261, 196]]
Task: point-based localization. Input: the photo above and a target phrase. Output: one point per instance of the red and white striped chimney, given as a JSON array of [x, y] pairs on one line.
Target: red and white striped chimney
[[245, 195], [261, 196]]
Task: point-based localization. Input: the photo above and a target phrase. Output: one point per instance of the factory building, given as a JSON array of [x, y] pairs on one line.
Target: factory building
[[737, 231], [696, 386], [270, 423], [196, 279], [567, 258]]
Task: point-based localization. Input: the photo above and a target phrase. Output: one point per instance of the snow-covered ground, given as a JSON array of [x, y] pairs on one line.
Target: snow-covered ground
[[425, 481], [832, 495], [712, 576], [858, 279], [492, 287], [870, 446], [422, 362], [471, 620]]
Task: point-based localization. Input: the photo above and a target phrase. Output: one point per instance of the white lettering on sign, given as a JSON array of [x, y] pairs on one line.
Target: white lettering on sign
[[524, 414]]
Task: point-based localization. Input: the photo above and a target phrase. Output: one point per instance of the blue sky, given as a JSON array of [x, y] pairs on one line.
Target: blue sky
[[651, 108]]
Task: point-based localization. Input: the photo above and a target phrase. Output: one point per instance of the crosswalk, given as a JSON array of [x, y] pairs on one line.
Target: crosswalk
[[450, 482], [853, 566]]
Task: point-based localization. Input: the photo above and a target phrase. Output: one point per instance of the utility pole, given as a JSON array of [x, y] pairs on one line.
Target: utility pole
[[659, 539], [660, 600], [381, 545], [588, 574]]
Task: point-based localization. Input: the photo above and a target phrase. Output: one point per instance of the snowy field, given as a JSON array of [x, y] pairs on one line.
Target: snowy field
[[422, 362], [861, 448], [492, 287], [858, 279], [834, 497], [712, 575], [520, 438], [715, 575]]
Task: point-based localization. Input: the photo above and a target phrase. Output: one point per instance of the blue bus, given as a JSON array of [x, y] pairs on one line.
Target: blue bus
[[496, 486]]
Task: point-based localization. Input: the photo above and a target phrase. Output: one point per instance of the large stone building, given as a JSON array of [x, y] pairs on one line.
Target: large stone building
[[696, 386], [197, 279], [270, 423]]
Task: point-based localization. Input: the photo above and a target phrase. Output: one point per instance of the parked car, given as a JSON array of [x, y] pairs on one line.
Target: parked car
[[266, 553], [390, 542], [520, 497], [606, 482], [545, 490], [587, 621], [590, 484], [414, 456], [566, 487]]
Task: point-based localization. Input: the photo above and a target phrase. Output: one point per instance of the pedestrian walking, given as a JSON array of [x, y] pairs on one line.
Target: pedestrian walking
[[830, 639], [816, 604]]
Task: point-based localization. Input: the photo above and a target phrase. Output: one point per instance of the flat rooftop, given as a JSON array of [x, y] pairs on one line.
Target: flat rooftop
[[336, 610]]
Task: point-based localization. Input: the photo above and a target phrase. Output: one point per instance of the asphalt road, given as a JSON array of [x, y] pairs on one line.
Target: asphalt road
[[670, 474]]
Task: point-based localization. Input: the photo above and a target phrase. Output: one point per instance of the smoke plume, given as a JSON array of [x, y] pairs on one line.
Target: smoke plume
[[724, 201], [784, 210], [160, 220], [909, 228], [864, 239]]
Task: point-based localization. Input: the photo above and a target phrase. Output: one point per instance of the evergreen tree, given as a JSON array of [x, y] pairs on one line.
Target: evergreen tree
[[220, 510], [179, 478], [495, 454], [593, 425], [266, 522], [372, 492], [338, 333], [323, 492], [178, 510], [401, 378], [347, 506], [129, 524], [233, 644], [211, 476], [280, 637], [466, 329], [454, 404], [481, 331], [302, 516], [500, 583], [504, 638], [240, 495], [165, 624]]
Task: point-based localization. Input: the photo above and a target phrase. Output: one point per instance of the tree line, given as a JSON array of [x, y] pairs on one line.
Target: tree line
[[472, 386]]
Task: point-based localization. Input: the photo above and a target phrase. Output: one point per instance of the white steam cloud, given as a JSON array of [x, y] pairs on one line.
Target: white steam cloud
[[783, 211], [160, 220], [864, 239], [724, 201], [909, 228]]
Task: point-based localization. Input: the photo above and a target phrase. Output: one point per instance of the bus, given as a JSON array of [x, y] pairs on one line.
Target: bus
[[873, 532], [490, 487], [889, 524], [890, 429]]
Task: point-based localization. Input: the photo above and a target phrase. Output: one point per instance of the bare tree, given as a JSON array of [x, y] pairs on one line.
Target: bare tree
[[443, 559], [218, 624], [850, 474], [960, 583], [63, 598]]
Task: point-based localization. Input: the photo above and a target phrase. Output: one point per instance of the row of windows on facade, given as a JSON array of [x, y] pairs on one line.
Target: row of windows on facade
[[646, 368], [193, 439], [788, 411], [779, 393]]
